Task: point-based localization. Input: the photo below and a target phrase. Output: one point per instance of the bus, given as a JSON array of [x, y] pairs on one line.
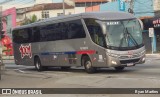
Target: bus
[[92, 40]]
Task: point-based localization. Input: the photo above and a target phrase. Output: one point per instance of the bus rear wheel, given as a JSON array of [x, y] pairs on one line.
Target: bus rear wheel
[[119, 68], [38, 64], [86, 62]]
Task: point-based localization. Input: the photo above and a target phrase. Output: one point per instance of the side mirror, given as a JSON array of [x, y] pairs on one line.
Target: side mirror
[[141, 23]]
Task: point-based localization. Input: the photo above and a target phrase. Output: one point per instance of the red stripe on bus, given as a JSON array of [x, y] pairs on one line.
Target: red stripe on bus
[[86, 52]]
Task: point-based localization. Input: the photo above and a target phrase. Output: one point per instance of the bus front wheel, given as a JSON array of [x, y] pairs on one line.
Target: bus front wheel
[[86, 62]]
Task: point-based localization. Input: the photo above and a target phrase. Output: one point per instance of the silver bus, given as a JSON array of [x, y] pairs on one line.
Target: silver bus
[[93, 40]]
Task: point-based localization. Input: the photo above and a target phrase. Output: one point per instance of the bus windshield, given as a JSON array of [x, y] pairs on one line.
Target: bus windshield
[[118, 34], [123, 34]]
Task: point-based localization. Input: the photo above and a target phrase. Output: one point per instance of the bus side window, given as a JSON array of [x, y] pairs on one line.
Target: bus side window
[[42, 33], [17, 37], [64, 30], [23, 34], [72, 31], [36, 34], [30, 35], [95, 32], [76, 30]]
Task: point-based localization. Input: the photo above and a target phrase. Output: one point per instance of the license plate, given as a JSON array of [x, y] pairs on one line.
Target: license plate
[[130, 64]]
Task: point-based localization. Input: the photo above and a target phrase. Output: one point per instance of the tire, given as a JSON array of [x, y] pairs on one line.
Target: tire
[[120, 68], [86, 62], [38, 65]]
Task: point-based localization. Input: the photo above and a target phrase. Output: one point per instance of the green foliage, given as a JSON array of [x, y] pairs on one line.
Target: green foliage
[[32, 19]]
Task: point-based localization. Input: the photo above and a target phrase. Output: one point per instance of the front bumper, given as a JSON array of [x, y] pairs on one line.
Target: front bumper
[[115, 62]]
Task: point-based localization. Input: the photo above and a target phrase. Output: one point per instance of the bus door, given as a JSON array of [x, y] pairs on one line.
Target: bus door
[[98, 45]]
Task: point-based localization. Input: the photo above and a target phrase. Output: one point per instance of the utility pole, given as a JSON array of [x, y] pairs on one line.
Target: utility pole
[[63, 8], [131, 6], [1, 27]]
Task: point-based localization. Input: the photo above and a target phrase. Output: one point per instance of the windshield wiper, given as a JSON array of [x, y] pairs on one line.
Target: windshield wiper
[[127, 36], [131, 37]]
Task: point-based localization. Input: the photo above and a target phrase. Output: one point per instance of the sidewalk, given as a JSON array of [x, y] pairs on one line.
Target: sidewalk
[[153, 55]]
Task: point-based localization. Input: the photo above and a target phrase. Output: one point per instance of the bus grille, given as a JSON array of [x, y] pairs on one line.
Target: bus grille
[[129, 61], [126, 56]]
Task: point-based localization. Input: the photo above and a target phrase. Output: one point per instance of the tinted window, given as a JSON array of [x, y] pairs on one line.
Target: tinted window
[[95, 32], [75, 30], [22, 35], [36, 34], [59, 31]]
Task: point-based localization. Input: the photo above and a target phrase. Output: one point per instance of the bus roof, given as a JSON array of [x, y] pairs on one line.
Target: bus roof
[[103, 15]]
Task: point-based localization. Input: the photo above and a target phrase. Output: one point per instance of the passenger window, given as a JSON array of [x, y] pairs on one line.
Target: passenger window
[[95, 32], [57, 31], [76, 30], [36, 34]]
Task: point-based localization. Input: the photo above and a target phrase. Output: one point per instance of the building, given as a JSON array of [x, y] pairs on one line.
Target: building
[[157, 7], [88, 3], [42, 11]]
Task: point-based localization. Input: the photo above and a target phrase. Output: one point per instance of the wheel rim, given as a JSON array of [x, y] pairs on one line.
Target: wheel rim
[[38, 65], [88, 64]]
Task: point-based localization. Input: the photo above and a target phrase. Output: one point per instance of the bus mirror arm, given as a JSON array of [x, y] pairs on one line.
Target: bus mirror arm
[[103, 26], [141, 23], [104, 29]]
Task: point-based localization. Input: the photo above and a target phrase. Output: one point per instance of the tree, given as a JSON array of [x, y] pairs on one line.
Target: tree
[[32, 19]]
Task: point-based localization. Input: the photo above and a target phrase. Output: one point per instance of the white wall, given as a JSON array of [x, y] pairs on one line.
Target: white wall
[[52, 13], [70, 2], [43, 1], [156, 4], [79, 10], [37, 13]]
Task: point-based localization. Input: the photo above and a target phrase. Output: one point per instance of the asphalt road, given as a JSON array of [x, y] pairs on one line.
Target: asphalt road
[[140, 76]]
